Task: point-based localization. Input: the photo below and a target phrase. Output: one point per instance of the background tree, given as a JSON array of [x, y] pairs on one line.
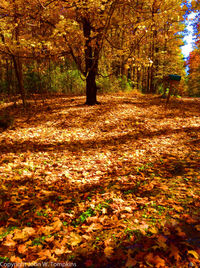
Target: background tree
[[134, 40], [194, 57]]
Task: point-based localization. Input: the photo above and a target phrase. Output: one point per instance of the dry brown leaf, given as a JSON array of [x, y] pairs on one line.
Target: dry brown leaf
[[194, 254], [16, 259], [61, 251], [128, 209], [22, 249], [46, 230], [175, 252], [94, 226], [197, 227], [9, 241], [108, 251], [130, 261], [57, 225], [75, 239], [23, 234], [87, 237], [153, 230], [159, 262], [155, 260], [43, 254], [107, 242], [180, 232]]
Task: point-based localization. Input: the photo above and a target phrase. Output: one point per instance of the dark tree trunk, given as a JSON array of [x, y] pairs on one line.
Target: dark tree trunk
[[9, 78], [91, 64], [18, 72], [91, 89]]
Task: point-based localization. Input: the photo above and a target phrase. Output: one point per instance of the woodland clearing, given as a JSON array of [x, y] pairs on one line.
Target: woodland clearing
[[110, 185]]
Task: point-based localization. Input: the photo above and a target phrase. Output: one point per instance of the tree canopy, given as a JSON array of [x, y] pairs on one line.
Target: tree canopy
[[138, 39]]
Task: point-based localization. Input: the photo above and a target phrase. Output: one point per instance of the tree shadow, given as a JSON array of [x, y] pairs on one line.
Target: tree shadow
[[90, 144], [62, 109], [172, 246]]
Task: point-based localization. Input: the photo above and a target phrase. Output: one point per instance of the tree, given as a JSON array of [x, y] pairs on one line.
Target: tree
[[133, 36], [87, 26], [194, 57]]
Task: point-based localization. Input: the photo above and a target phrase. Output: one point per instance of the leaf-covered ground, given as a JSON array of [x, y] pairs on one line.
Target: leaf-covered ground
[[114, 185]]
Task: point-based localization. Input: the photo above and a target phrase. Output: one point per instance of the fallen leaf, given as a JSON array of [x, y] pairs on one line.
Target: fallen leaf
[[194, 254], [23, 234], [108, 251], [175, 252], [94, 226], [131, 262], [22, 249], [159, 262], [128, 209], [180, 232], [153, 230], [43, 254], [46, 230], [61, 251], [75, 239], [9, 241], [155, 260], [57, 225], [197, 227], [16, 259], [66, 201]]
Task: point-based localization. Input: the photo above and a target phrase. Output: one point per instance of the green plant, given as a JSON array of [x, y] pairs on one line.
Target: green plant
[[9, 229], [4, 259], [88, 213]]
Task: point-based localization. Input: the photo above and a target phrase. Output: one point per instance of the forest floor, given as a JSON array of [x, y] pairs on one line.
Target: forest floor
[[112, 185]]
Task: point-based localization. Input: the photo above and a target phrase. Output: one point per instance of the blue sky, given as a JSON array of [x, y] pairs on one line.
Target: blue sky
[[187, 48]]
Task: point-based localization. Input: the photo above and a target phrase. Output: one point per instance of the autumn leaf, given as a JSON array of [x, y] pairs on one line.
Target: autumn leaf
[[46, 230], [66, 201], [159, 262], [175, 252], [131, 262], [57, 225], [128, 209], [16, 259], [43, 254], [75, 239], [194, 254], [197, 227], [153, 230], [23, 234], [94, 226], [49, 239], [155, 260], [108, 251], [9, 241], [161, 241], [61, 251], [22, 249], [150, 258], [180, 232]]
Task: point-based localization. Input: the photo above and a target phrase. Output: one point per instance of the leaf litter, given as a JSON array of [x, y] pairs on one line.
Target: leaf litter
[[115, 184]]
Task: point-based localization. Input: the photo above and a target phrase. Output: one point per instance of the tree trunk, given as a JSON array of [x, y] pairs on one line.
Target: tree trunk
[[8, 77], [91, 64], [18, 72], [91, 89]]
